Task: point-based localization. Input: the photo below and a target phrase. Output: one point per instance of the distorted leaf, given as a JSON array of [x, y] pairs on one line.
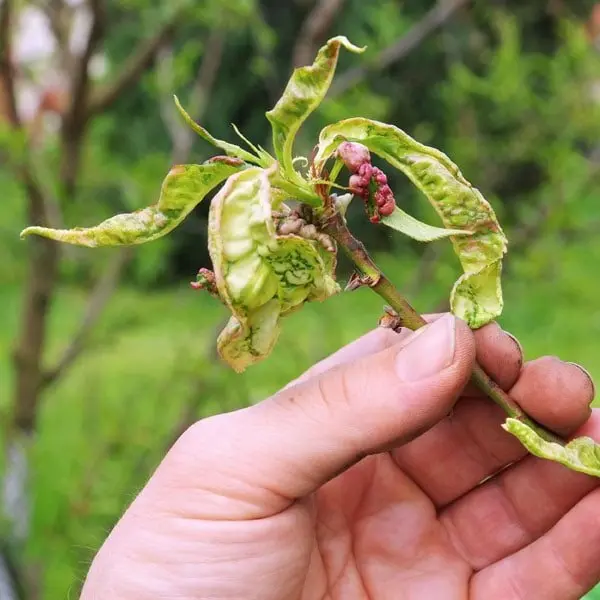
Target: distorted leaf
[[260, 275], [182, 190], [304, 92], [477, 295], [581, 454]]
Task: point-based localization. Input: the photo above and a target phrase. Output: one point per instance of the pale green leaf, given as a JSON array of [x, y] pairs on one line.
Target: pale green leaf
[[265, 159], [230, 149], [581, 454], [417, 230], [182, 190], [477, 295], [304, 92], [241, 345], [260, 275]]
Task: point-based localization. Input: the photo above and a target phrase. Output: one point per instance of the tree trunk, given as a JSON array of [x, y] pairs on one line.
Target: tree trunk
[[29, 371]]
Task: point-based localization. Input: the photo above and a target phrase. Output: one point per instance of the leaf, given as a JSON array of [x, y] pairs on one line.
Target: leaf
[[260, 275], [241, 345], [265, 159], [477, 295], [304, 92], [417, 230], [230, 149], [581, 454], [182, 190]]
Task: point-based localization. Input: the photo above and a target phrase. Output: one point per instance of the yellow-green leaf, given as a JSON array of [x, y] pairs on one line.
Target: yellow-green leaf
[[581, 454], [304, 92], [183, 188], [477, 295], [262, 276]]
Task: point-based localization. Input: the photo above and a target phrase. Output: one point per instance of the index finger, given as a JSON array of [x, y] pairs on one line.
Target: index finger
[[498, 352]]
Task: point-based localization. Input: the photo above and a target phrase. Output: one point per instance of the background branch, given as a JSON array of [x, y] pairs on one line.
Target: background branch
[[80, 83], [314, 30], [98, 299], [7, 69], [133, 69], [433, 20], [60, 15], [75, 119]]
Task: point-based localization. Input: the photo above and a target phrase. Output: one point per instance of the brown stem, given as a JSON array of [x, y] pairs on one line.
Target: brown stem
[[381, 285]]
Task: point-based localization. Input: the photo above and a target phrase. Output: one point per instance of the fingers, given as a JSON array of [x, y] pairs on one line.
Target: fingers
[[375, 341], [254, 462], [563, 564], [536, 392], [462, 450], [498, 352], [501, 356], [516, 507]]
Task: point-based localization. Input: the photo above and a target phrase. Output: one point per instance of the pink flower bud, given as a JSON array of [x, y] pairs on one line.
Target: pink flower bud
[[379, 176], [366, 170], [356, 182], [383, 195], [354, 155], [388, 208]]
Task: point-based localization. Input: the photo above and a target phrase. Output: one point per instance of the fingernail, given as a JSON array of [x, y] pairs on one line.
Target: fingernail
[[516, 341], [587, 374], [429, 351]]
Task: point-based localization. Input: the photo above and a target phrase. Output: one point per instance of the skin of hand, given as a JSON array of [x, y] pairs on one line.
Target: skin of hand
[[378, 474]]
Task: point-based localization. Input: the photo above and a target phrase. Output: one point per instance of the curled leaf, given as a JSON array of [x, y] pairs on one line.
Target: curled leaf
[[230, 149], [304, 92], [477, 295], [182, 190], [261, 275], [581, 454]]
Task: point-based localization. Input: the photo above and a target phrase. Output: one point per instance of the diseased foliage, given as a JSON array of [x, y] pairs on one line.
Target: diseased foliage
[[183, 188], [477, 295], [269, 258]]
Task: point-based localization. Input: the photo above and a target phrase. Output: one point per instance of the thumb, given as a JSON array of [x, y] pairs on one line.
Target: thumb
[[254, 462]]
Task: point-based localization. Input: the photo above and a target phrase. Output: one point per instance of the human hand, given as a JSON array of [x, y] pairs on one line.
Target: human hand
[[362, 480]]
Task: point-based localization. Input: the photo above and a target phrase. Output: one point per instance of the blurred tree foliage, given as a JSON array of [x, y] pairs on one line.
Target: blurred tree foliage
[[492, 82], [509, 89]]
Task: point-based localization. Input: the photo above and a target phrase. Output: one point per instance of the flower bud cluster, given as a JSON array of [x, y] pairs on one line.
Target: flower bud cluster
[[367, 181]]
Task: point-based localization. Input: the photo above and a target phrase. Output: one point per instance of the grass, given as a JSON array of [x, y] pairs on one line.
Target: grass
[[150, 367]]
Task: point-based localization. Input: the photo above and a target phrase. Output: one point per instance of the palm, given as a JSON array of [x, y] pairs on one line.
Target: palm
[[459, 512], [415, 523], [378, 536]]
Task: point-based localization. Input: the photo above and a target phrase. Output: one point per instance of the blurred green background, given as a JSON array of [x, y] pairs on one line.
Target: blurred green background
[[107, 355]]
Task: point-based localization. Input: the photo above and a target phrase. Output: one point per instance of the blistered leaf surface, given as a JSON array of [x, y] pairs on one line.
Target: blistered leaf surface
[[182, 190], [477, 295], [304, 92], [260, 275], [581, 454]]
